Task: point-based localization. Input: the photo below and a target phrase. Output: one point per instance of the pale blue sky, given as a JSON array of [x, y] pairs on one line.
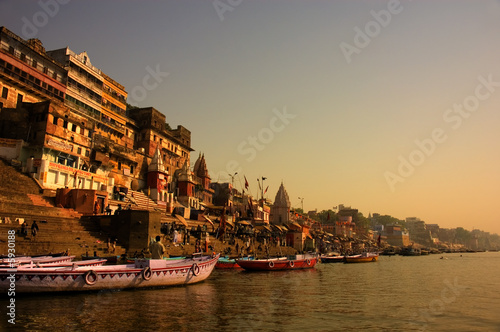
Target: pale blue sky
[[347, 123]]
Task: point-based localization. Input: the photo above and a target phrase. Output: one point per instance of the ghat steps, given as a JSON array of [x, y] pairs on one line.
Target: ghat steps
[[59, 229]]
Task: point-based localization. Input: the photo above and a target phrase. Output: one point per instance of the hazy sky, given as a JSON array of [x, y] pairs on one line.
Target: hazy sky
[[387, 107]]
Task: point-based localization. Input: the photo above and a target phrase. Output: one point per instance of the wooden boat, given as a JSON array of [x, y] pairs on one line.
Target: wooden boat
[[132, 260], [365, 257], [38, 261], [331, 259], [389, 252], [282, 263], [227, 263], [143, 273], [410, 251], [40, 267], [110, 259]]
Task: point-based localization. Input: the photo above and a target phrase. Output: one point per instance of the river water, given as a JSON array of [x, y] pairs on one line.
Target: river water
[[460, 292]]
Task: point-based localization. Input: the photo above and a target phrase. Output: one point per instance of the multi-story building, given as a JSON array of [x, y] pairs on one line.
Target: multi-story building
[[84, 83], [418, 231], [70, 124], [397, 236], [27, 73], [154, 132]]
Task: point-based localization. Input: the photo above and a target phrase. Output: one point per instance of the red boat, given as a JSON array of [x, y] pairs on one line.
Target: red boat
[[282, 263], [227, 263]]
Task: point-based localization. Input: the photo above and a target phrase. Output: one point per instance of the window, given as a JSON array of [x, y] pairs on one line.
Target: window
[[119, 165], [79, 150], [54, 121], [23, 57], [19, 98], [73, 127], [34, 63], [132, 169], [87, 153], [45, 70], [65, 124], [11, 50], [5, 92]]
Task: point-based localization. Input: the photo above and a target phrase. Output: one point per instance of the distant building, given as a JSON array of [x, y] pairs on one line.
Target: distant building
[[396, 236], [418, 231]]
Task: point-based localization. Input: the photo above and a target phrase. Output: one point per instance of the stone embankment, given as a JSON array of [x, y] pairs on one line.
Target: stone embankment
[[63, 229], [59, 229]]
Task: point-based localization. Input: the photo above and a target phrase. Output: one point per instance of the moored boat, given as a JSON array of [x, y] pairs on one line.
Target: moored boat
[[110, 259], [365, 257], [38, 261], [143, 273], [331, 259], [281, 263], [53, 267], [227, 263], [410, 251]]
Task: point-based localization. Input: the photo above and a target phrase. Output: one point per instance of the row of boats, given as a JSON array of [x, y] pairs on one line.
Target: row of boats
[[291, 262], [63, 274]]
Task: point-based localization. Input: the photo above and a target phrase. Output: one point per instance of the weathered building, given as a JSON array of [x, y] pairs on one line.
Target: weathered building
[[67, 122], [27, 73]]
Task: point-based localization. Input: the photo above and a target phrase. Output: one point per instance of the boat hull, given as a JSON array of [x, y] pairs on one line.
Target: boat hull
[[277, 264], [227, 265], [361, 259], [142, 274], [332, 259]]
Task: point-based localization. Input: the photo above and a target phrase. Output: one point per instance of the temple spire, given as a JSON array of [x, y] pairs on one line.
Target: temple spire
[[156, 163]]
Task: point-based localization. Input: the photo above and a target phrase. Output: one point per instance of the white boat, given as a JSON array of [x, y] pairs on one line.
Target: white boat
[[143, 273], [38, 261], [73, 264]]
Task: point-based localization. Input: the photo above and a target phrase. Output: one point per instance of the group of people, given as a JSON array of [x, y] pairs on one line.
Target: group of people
[[111, 246], [34, 229]]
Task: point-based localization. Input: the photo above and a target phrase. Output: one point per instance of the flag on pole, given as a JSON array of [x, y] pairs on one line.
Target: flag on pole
[[246, 182], [265, 191]]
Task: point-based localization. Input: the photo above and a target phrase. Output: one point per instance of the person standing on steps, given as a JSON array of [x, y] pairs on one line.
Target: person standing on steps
[[34, 230]]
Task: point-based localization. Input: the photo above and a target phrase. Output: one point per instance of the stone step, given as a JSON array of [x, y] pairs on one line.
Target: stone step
[[13, 178], [39, 200]]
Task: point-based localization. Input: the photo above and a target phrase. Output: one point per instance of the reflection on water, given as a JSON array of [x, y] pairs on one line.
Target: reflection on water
[[425, 293]]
